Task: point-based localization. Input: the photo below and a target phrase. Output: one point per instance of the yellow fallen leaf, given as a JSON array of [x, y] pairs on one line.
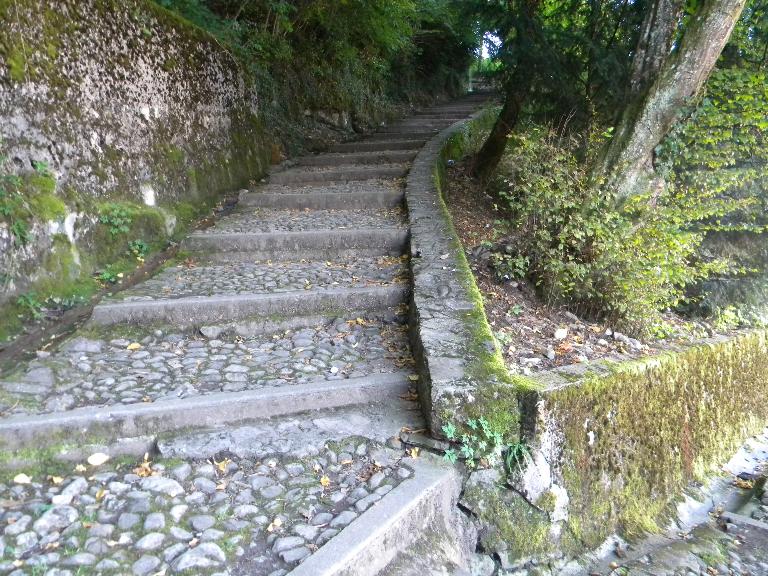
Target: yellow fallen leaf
[[22, 479], [56, 480], [98, 458], [274, 525], [413, 452], [133, 346], [100, 494], [345, 462], [194, 542], [80, 468], [325, 481], [413, 377], [222, 466], [221, 486]]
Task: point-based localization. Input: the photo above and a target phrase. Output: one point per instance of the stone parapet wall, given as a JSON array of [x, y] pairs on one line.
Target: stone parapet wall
[[461, 371]]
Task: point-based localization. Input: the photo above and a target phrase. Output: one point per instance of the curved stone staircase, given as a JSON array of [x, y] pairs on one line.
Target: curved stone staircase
[[269, 370]]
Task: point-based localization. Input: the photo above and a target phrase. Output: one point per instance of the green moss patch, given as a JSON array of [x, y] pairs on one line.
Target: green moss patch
[[636, 438]]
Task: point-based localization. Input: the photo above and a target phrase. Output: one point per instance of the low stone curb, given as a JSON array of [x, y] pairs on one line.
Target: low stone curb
[[358, 158], [396, 522], [126, 421], [194, 311]]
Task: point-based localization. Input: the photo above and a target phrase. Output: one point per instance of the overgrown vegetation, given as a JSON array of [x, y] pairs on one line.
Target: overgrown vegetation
[[609, 235], [355, 56]]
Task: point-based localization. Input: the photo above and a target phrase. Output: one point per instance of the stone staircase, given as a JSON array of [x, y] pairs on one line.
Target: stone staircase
[[276, 344]]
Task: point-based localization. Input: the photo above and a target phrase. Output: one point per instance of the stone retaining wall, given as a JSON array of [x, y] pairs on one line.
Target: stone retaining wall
[[117, 101]]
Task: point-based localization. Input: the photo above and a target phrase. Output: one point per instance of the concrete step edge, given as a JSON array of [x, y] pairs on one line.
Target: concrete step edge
[[324, 200], [337, 175], [132, 420], [368, 544], [194, 311], [284, 240]]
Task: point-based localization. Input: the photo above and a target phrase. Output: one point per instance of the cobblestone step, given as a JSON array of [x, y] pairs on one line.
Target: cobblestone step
[[339, 174], [370, 146], [191, 311], [161, 365], [195, 279], [367, 194], [402, 135], [249, 500], [412, 128], [314, 244], [358, 158]]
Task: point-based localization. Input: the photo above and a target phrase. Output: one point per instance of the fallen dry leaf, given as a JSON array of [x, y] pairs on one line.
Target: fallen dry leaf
[[325, 481], [22, 479], [133, 346]]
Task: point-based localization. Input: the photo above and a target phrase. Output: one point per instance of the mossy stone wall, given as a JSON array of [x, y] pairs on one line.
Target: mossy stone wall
[[618, 444], [122, 102]]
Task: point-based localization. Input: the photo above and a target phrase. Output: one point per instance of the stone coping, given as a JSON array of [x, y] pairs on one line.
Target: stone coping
[[457, 357]]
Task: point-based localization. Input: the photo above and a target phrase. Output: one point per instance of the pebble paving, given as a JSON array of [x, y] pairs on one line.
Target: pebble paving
[[165, 365], [351, 187], [266, 277], [223, 515], [273, 220]]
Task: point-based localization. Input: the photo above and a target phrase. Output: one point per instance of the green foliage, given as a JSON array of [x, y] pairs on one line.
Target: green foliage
[[721, 152], [30, 305], [116, 217], [351, 55], [623, 263], [509, 267], [110, 275], [478, 444], [139, 249]]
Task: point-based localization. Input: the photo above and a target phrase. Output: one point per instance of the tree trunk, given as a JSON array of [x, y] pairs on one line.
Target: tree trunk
[[489, 156], [664, 83]]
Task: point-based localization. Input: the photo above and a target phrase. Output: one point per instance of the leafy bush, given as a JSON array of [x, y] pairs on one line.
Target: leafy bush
[[116, 217], [624, 263]]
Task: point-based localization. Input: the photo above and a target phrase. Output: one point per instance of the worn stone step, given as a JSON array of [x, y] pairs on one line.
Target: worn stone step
[[110, 423], [311, 244], [339, 174], [325, 200], [369, 146], [416, 127], [192, 311], [383, 136], [202, 280], [357, 158], [134, 366]]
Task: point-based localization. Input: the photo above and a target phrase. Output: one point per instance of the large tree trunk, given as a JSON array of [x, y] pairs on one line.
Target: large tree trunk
[[664, 83], [489, 156]]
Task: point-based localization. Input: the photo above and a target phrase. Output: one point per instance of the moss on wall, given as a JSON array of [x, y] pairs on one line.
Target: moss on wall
[[634, 439]]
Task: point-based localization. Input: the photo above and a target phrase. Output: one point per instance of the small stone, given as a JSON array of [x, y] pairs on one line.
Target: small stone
[[295, 555], [272, 491], [145, 565], [206, 555], [343, 519], [322, 519], [211, 332], [287, 543], [403, 473], [305, 531], [78, 486], [180, 534], [178, 511], [211, 535], [376, 480], [80, 559], [154, 522], [107, 565], [151, 541], [163, 485], [127, 520], [205, 485], [202, 522], [181, 472]]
